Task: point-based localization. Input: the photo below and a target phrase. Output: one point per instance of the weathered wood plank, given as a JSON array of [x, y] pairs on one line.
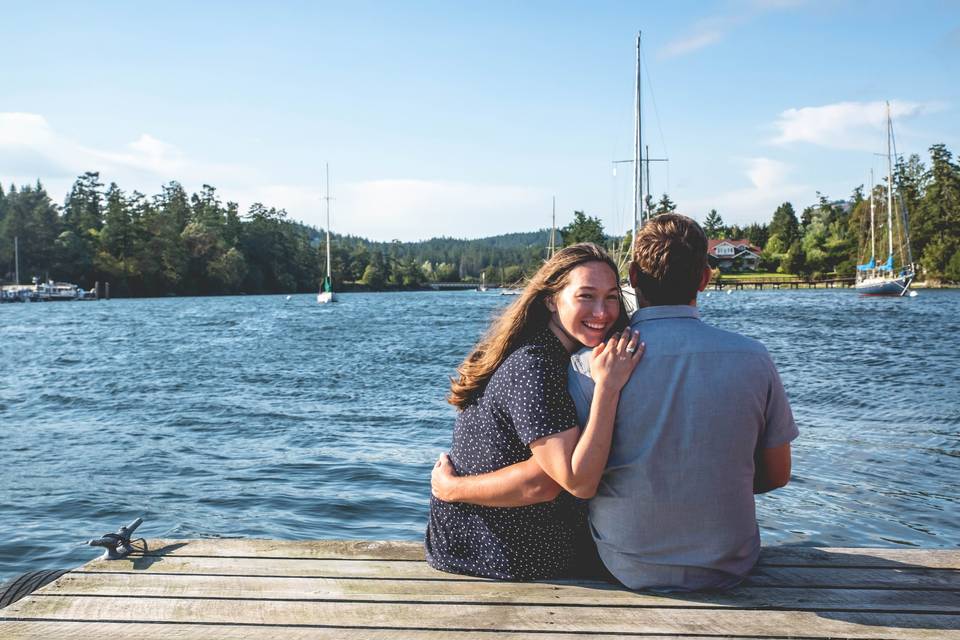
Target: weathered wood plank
[[854, 578], [846, 557], [345, 549], [46, 630], [480, 592], [413, 551], [909, 578], [530, 619]]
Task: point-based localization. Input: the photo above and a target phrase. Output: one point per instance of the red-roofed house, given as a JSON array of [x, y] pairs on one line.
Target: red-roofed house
[[725, 254]]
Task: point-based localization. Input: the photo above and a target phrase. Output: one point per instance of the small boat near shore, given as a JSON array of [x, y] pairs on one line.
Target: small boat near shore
[[326, 293], [48, 291]]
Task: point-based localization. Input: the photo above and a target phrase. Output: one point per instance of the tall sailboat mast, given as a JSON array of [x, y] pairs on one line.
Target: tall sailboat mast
[[16, 259], [889, 187], [637, 165], [327, 198], [873, 237], [553, 229]]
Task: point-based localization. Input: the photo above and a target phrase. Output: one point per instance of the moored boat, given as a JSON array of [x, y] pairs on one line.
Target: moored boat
[[326, 293], [885, 279]]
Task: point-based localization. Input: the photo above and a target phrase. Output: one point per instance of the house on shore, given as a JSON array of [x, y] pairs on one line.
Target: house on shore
[[733, 255]]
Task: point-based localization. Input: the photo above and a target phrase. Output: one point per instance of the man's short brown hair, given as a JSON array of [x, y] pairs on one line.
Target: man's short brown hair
[[669, 256]]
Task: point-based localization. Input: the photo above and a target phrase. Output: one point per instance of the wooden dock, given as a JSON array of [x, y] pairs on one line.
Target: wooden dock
[[234, 588], [738, 284]]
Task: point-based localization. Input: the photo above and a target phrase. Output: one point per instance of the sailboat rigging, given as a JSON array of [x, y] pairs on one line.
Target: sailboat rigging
[[326, 293], [881, 279]]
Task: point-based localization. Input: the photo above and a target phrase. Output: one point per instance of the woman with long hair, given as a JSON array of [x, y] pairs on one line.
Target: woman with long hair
[[514, 412]]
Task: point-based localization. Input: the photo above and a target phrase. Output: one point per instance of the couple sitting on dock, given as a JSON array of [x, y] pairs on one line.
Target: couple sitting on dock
[[589, 444]]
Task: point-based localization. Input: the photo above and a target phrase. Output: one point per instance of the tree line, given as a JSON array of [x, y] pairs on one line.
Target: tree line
[[175, 243], [833, 236]]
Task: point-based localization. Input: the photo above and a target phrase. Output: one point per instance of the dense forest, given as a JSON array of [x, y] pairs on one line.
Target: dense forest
[[175, 243]]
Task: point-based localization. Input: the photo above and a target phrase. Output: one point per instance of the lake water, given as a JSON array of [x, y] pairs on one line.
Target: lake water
[[266, 417]]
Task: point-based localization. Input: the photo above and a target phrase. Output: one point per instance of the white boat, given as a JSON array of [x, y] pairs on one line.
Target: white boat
[[883, 279], [326, 293], [51, 291], [483, 282], [39, 291]]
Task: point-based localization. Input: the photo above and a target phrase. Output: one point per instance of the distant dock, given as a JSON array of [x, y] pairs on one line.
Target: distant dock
[[239, 589], [780, 283]]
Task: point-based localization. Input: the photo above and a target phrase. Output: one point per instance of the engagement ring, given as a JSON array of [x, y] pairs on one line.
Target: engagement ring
[[631, 349]]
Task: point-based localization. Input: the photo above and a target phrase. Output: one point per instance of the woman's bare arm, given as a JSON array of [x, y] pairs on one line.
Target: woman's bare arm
[[518, 485], [575, 459]]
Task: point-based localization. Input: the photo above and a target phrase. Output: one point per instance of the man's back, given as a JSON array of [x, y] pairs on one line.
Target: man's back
[[675, 508]]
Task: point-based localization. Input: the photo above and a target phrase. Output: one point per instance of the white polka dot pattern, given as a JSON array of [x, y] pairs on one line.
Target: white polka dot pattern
[[525, 399]]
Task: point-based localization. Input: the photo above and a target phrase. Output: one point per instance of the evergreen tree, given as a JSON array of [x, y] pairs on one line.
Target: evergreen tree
[[795, 260], [666, 205], [713, 225], [785, 225], [116, 237], [935, 225], [584, 228], [83, 209], [757, 234]]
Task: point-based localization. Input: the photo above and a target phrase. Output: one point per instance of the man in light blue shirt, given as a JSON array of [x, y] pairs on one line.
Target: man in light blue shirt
[[702, 425]]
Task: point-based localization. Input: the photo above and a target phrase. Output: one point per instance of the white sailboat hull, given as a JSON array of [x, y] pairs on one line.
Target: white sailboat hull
[[326, 296], [884, 286]]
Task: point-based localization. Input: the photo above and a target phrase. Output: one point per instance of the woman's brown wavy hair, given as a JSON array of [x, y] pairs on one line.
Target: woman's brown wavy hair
[[523, 319]]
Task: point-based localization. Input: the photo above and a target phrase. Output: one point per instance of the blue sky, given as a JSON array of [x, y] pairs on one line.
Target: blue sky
[[465, 118]]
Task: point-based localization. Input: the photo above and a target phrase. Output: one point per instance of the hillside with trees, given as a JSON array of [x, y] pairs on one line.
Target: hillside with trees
[[175, 243], [832, 236]]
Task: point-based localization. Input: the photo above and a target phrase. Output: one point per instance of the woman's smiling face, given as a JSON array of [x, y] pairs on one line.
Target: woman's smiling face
[[584, 311]]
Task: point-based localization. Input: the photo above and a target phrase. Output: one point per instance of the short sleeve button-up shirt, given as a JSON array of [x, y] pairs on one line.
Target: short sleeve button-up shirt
[[675, 507]]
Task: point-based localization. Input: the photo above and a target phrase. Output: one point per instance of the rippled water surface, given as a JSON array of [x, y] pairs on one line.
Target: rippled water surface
[[268, 417]]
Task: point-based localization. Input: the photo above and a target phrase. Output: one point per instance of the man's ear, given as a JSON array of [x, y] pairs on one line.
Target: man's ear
[[705, 278], [634, 274]]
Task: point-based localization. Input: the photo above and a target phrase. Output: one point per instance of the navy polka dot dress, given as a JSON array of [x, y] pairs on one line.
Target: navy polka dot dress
[[525, 400]]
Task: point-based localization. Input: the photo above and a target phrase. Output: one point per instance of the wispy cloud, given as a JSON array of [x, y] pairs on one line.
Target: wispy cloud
[[405, 209], [844, 125], [691, 43], [709, 31], [30, 135], [769, 185]]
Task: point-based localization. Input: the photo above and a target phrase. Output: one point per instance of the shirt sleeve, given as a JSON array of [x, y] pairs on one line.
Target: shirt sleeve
[[779, 426], [536, 397]]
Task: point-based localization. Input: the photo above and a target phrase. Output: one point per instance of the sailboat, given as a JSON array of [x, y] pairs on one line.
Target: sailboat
[[326, 293], [483, 282], [881, 279]]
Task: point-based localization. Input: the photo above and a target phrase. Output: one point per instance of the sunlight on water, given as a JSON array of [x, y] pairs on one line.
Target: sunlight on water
[[268, 417]]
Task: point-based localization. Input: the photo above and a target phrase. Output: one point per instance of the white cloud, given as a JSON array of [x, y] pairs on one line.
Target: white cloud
[[844, 125], [691, 43], [24, 129], [769, 186], [712, 30], [31, 149], [404, 209]]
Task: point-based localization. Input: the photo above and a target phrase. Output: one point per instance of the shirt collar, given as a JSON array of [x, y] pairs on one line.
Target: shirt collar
[[664, 311], [551, 342]]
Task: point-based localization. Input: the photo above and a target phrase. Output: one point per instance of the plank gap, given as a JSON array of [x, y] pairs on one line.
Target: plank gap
[[483, 603]]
